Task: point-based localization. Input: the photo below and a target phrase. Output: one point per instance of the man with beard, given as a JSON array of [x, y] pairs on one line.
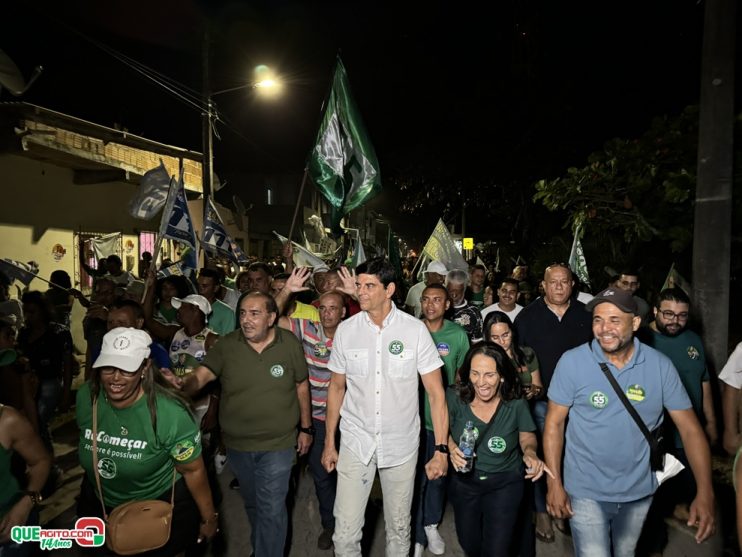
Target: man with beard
[[608, 482], [669, 334]]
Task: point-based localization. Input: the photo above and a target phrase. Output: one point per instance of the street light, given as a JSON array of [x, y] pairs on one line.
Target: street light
[[266, 83]]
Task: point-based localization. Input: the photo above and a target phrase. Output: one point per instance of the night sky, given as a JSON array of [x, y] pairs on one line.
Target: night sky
[[515, 91]]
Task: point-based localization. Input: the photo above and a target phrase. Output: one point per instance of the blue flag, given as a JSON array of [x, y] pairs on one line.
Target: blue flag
[[216, 240], [176, 223]]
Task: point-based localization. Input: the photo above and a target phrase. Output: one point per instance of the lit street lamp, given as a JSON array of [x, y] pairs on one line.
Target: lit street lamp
[[266, 84]]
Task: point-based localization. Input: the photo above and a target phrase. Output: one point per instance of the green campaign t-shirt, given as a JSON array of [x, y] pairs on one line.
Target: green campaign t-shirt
[[259, 407], [222, 320], [687, 355], [452, 344], [500, 451], [134, 463]]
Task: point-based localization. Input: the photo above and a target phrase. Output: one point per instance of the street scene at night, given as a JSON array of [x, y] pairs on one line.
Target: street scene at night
[[291, 278]]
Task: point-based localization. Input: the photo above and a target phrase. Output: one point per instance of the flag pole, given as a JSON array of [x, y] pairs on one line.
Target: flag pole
[[160, 233], [298, 202]]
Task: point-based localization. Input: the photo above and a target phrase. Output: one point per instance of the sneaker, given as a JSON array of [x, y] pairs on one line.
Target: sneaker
[[324, 542], [419, 550], [219, 461], [234, 484], [436, 545]]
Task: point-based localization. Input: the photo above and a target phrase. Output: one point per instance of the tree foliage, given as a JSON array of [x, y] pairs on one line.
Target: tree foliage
[[633, 191]]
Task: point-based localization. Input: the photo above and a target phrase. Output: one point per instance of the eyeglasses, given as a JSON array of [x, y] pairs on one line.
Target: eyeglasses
[[112, 370], [503, 337], [670, 315]]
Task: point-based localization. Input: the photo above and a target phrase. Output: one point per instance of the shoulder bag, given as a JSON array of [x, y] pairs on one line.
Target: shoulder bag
[[137, 526]]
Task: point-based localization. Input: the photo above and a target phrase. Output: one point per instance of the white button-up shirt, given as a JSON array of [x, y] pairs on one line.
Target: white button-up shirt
[[380, 411]]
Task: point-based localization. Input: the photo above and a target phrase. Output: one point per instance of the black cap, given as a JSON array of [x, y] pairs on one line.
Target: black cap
[[622, 299]]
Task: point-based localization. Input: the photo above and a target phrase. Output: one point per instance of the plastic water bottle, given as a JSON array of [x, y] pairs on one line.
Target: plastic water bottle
[[466, 444]]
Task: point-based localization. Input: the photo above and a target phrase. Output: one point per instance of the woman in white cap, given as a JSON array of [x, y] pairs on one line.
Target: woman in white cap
[[143, 430]]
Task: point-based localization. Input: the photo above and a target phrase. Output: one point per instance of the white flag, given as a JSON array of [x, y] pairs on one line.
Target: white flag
[[302, 256], [103, 246]]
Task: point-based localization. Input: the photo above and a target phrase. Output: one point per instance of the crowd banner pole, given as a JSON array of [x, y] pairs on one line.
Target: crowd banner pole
[[298, 202]]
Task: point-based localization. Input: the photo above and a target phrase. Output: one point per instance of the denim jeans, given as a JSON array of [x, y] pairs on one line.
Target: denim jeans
[[431, 495], [264, 484], [325, 485], [50, 390], [598, 525], [538, 410], [485, 510]]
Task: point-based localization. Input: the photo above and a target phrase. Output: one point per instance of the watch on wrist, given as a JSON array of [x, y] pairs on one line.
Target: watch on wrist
[[308, 430], [35, 496], [442, 448]]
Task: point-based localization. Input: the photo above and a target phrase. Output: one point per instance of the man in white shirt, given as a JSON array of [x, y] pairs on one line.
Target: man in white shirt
[[376, 359], [507, 294]]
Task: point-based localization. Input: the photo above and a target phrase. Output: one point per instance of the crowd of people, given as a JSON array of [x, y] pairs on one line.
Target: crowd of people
[[519, 405]]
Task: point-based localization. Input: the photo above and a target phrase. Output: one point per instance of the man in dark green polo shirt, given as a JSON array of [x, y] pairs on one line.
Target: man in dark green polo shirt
[[265, 395]]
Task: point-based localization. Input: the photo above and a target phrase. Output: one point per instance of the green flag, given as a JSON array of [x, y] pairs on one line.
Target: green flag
[[577, 261], [343, 162]]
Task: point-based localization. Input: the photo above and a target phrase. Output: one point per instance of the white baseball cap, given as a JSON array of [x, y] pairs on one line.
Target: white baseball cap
[[196, 300], [436, 267], [124, 348]]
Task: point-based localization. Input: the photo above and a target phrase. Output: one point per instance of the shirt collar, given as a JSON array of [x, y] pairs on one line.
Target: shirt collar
[[387, 320], [637, 357]]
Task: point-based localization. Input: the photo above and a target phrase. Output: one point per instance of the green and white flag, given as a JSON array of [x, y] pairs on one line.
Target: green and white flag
[[441, 247], [577, 259], [302, 256], [343, 162]]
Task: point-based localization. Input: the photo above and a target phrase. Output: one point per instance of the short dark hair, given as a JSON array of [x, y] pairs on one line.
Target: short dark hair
[[270, 303], [674, 294], [212, 274], [135, 307], [36, 298], [438, 286], [282, 276], [628, 271], [510, 388], [260, 266], [179, 282], [114, 259], [510, 280], [61, 278], [381, 268], [479, 267]]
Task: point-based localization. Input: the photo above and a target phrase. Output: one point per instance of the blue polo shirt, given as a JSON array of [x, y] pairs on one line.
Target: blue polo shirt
[[606, 456]]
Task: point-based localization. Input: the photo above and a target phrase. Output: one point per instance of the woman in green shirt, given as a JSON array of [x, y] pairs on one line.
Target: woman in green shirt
[[486, 500], [145, 431]]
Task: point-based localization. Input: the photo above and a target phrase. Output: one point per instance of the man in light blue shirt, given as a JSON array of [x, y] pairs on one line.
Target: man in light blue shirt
[[608, 482]]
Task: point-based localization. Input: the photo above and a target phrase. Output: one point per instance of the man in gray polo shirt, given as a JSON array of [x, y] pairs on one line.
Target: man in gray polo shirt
[[377, 357], [608, 483]]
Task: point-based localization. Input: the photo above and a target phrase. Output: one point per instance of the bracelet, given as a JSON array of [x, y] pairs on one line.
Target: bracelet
[[214, 517]]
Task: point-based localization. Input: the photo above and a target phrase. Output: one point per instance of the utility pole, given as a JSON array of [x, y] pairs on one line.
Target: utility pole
[[207, 118], [712, 229]]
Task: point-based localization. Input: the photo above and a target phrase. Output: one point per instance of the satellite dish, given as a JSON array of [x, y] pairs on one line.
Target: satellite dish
[[11, 77]]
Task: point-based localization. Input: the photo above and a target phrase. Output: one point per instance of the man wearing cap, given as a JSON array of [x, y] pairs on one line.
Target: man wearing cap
[[264, 400], [608, 483], [435, 273]]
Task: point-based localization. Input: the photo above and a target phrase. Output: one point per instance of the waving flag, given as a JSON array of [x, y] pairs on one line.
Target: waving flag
[[343, 162], [441, 247], [152, 194], [17, 270], [216, 240], [302, 256], [176, 223], [577, 261]]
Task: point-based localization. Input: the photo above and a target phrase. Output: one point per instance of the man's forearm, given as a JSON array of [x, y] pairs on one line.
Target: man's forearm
[[335, 395], [305, 403], [730, 408], [553, 447]]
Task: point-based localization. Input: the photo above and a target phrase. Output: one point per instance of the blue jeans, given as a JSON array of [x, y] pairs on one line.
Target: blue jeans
[[264, 484], [325, 485], [538, 411], [431, 495], [485, 511], [598, 525]]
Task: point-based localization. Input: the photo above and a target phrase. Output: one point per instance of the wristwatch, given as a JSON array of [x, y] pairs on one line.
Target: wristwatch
[[308, 430], [441, 448], [35, 496]]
